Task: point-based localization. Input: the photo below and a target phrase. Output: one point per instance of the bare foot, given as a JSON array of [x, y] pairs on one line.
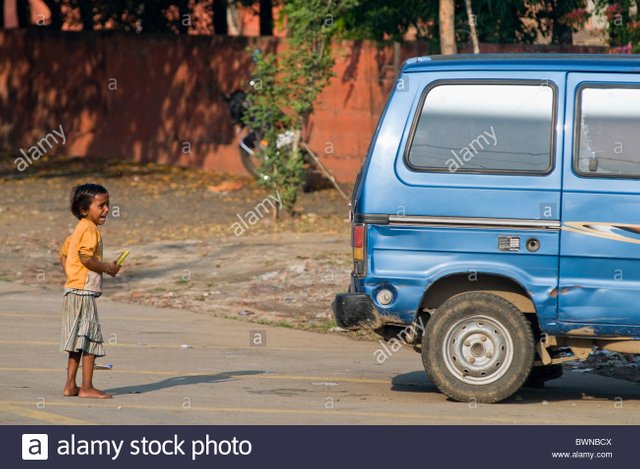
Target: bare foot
[[71, 391], [93, 393]]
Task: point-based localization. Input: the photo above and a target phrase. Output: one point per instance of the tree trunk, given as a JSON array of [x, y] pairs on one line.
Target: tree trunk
[[473, 32], [10, 13], [562, 34], [183, 13], [266, 17], [56, 14], [86, 13], [24, 13], [220, 17], [447, 27], [153, 20], [234, 20]]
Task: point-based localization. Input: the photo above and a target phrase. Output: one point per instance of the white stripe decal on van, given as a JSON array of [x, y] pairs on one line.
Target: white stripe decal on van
[[624, 232]]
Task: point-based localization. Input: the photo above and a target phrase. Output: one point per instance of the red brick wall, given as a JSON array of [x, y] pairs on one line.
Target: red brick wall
[[168, 92]]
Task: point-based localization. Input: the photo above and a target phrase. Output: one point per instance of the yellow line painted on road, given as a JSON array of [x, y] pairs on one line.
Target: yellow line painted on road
[[12, 407], [50, 343], [28, 342], [392, 416], [109, 317], [323, 379], [283, 377]]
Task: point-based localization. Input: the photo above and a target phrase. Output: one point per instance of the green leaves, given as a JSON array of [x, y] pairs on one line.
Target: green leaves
[[623, 32], [384, 21], [286, 87]]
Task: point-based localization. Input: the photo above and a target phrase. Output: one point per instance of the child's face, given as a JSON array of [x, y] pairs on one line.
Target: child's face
[[99, 209]]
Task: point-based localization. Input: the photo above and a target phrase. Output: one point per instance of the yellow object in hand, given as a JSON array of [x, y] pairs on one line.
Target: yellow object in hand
[[122, 257]]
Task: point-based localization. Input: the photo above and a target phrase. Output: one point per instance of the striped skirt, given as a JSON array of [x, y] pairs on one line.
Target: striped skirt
[[81, 325]]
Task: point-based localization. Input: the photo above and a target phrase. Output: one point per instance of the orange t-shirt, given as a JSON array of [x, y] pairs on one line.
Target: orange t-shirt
[[84, 241]]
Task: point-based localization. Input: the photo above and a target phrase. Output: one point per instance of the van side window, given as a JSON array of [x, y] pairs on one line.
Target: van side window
[[484, 128], [609, 132]]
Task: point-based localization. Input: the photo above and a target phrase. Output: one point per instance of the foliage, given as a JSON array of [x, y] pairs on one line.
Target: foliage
[[517, 21], [497, 21], [554, 18], [623, 30], [285, 88], [384, 21], [141, 16], [503, 22]]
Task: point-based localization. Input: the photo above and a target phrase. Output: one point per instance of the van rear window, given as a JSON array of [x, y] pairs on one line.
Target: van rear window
[[484, 128], [608, 133]]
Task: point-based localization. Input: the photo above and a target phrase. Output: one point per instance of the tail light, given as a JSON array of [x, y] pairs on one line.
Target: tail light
[[358, 242]]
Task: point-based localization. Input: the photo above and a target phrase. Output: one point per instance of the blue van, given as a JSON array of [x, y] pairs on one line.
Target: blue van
[[496, 218]]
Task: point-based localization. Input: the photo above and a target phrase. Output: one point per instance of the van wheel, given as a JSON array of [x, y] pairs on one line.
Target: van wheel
[[478, 346]]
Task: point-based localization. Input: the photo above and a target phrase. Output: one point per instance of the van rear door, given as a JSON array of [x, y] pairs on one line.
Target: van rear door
[[463, 178]]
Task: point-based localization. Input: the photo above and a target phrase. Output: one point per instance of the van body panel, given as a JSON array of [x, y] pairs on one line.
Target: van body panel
[[412, 258], [445, 193], [424, 223], [600, 242], [530, 62]]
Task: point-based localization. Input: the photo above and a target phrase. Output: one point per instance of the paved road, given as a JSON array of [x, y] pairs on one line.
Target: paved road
[[294, 377]]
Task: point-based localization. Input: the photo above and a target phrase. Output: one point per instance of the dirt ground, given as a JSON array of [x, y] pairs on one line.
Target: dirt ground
[[181, 228], [186, 252]]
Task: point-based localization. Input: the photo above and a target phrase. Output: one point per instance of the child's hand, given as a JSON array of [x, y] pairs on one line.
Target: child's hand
[[113, 269]]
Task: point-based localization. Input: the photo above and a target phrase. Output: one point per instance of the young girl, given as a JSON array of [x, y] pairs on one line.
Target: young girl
[[81, 259]]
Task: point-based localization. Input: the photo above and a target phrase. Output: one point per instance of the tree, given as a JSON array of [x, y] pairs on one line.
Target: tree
[[140, 16], [507, 21], [24, 14], [386, 22], [56, 14], [153, 17], [446, 22], [472, 27], [289, 83], [178, 24], [623, 31], [220, 25], [504, 21], [86, 14], [551, 15], [266, 17]]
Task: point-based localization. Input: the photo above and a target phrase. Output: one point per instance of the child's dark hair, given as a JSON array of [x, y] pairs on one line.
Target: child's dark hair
[[81, 197]]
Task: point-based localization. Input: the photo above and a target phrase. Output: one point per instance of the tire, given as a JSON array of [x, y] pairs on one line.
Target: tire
[[478, 347]]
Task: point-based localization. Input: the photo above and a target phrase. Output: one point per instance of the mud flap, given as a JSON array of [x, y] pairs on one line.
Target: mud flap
[[355, 311]]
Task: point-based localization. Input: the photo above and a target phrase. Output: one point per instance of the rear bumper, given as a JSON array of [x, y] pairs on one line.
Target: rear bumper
[[355, 311]]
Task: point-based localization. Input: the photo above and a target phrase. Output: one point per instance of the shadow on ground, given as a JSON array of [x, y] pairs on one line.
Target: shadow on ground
[[181, 381], [566, 388]]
